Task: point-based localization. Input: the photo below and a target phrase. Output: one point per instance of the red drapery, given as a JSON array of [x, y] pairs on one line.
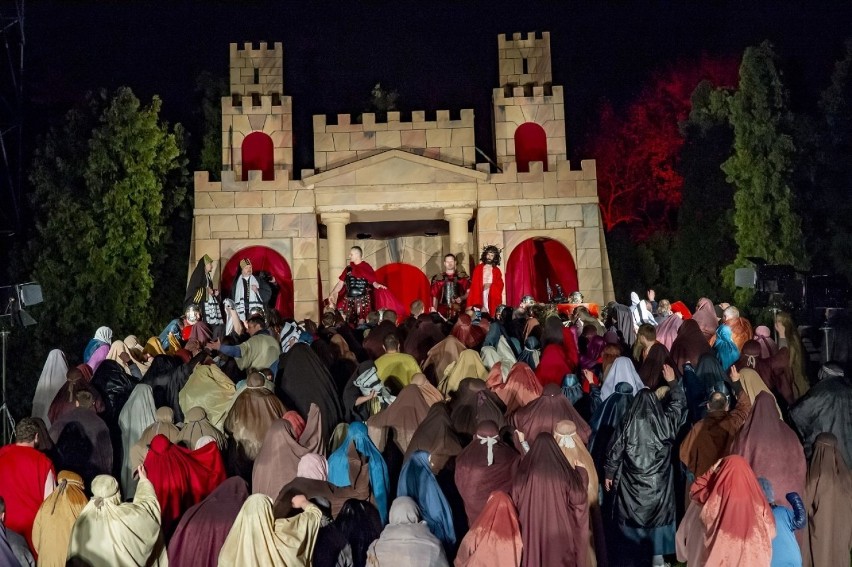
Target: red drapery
[[532, 264], [530, 145], [407, 283], [266, 260], [258, 153]]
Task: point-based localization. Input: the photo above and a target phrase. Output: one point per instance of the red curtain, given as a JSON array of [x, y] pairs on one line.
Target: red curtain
[[407, 283], [266, 260], [534, 263], [530, 145], [258, 154]]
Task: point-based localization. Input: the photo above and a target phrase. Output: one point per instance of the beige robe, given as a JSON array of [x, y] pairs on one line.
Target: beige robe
[[115, 534], [259, 540]]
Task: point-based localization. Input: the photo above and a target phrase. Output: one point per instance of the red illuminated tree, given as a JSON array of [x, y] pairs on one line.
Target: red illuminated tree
[[637, 150]]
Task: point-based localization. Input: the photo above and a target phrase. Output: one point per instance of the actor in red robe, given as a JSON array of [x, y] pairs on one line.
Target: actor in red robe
[[26, 479], [359, 279], [486, 286], [181, 478], [449, 289]]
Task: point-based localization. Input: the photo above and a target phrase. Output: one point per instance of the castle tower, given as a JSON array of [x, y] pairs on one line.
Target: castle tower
[[529, 111], [257, 120]]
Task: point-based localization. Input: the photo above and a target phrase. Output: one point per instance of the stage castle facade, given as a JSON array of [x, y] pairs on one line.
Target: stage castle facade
[[379, 183]]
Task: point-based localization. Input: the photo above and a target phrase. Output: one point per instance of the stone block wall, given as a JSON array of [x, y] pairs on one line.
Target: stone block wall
[[231, 215], [273, 116], [539, 104], [447, 140], [512, 53], [561, 205], [263, 64]]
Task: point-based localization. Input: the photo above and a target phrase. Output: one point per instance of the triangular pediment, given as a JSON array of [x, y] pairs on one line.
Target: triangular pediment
[[394, 167]]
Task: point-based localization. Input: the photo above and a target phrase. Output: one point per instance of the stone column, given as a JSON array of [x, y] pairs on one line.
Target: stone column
[[335, 224], [458, 219]]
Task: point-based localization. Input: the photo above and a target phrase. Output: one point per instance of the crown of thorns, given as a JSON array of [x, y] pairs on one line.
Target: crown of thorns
[[488, 247]]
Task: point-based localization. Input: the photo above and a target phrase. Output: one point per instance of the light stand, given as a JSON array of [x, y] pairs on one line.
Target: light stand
[[8, 421]]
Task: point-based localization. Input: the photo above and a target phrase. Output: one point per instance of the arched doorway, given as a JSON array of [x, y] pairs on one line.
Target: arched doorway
[[407, 283], [530, 145], [258, 153], [536, 263], [267, 260]]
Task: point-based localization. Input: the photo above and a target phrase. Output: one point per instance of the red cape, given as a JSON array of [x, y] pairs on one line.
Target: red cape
[[182, 478], [495, 292], [23, 472]]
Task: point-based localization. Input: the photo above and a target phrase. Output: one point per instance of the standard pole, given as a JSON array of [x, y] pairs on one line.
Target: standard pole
[[6, 432]]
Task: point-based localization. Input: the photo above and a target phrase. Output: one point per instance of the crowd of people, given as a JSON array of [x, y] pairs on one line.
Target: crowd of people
[[506, 436]]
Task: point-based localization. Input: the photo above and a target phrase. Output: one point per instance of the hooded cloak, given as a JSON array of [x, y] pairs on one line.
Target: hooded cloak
[[436, 436], [55, 519], [440, 357], [49, 383], [542, 415], [763, 336], [422, 338], [279, 457], [254, 410], [167, 376], [162, 426], [65, 399], [181, 477], [108, 532], [303, 380], [406, 540], [197, 426], [827, 407], [203, 528], [486, 465], [828, 503], [771, 448], [689, 345], [520, 388], [622, 370], [114, 386], [417, 481], [553, 510], [430, 393], [605, 422], [258, 539], [473, 403], [639, 460], [470, 335], [667, 331], [651, 370], [729, 521], [209, 388], [137, 415], [468, 365], [82, 442], [494, 538], [402, 417], [705, 316], [726, 350], [338, 465]]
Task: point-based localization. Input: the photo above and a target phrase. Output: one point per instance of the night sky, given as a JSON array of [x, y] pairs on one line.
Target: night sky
[[438, 55]]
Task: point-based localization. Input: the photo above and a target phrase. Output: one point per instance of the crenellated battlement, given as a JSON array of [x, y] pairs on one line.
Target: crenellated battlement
[[257, 104], [445, 139], [524, 60], [393, 121], [518, 40], [247, 52]]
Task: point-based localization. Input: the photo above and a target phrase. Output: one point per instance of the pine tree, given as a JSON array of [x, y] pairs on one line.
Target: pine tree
[[765, 220]]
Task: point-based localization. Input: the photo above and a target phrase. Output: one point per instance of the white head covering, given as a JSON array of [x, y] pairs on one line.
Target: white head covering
[[51, 380], [136, 416], [104, 334], [622, 370], [204, 440]]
